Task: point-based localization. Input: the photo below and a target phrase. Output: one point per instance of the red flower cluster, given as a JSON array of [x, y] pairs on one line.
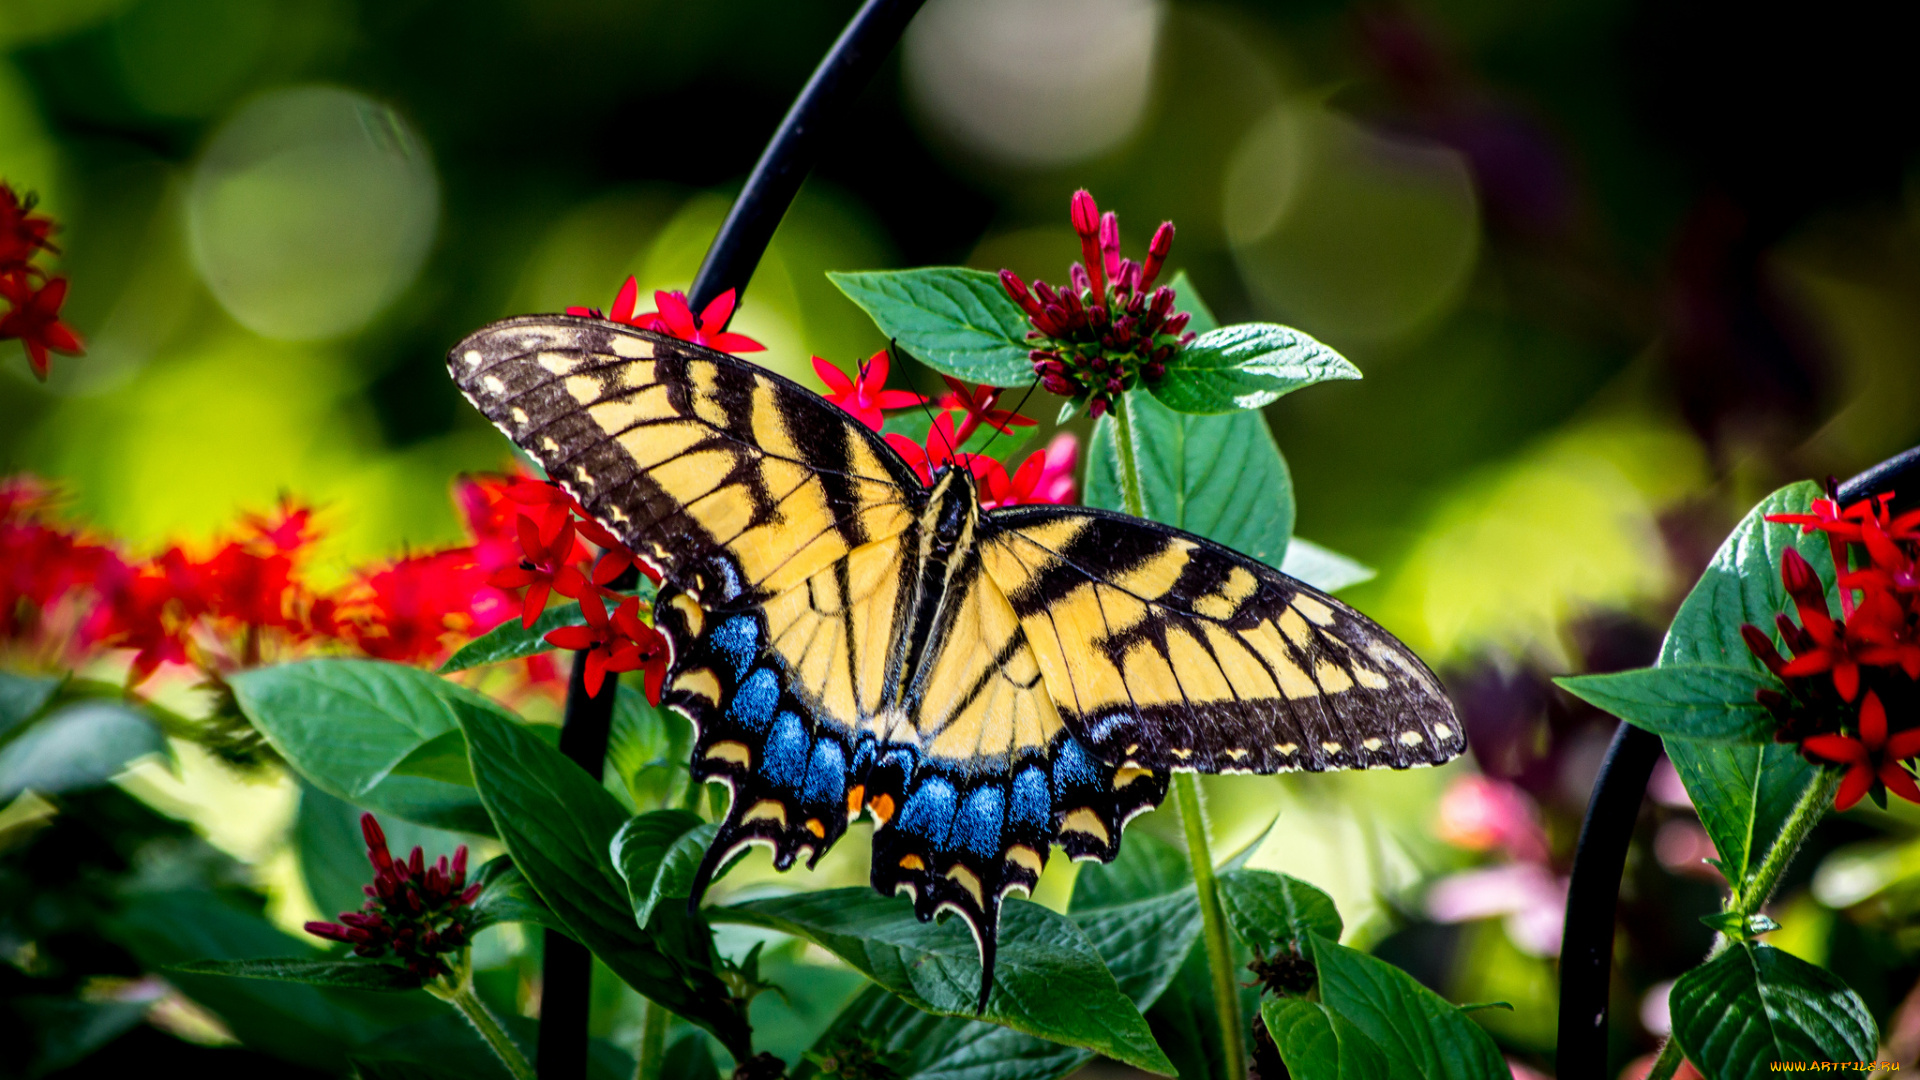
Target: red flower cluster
[[33, 299], [419, 912], [1873, 647], [865, 394], [674, 317], [1111, 327], [1045, 477], [553, 560], [245, 599]]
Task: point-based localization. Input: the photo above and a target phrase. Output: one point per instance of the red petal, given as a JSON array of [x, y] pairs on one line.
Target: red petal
[[595, 610], [1899, 781], [1902, 745], [874, 374], [898, 399], [62, 339], [611, 565], [718, 312], [1836, 748], [535, 603], [623, 304], [734, 343], [673, 311], [1846, 679], [570, 583], [1873, 716], [572, 637], [596, 671], [835, 379], [1858, 780]]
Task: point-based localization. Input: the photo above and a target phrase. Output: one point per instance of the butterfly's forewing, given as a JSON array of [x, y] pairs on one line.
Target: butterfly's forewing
[[1166, 651], [734, 482]]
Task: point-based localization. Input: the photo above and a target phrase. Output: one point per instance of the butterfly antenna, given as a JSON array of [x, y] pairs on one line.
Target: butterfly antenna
[[999, 431], [894, 350]]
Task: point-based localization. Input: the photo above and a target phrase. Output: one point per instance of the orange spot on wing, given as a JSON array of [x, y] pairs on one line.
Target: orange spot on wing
[[856, 798], [911, 862], [817, 829], [882, 807]]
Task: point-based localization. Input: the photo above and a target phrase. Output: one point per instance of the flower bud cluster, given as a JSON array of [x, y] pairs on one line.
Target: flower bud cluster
[[419, 912], [1110, 327]]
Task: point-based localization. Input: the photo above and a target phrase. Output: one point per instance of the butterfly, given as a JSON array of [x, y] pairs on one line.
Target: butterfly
[[847, 639]]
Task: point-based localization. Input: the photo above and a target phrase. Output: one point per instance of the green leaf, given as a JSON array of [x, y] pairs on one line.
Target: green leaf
[[1317, 1043], [648, 748], [507, 896], [558, 824], [345, 974], [82, 745], [333, 853], [1147, 867], [314, 1026], [1324, 569], [22, 697], [1743, 793], [1246, 366], [1735, 925], [1754, 1005], [443, 758], [346, 724], [657, 853], [1272, 911], [1219, 476], [1048, 981], [511, 641], [922, 1044], [67, 1030], [1419, 1031], [957, 321], [1689, 701]]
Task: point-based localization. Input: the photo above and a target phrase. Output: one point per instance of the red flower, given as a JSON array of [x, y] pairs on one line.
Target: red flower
[[405, 610], [420, 912], [22, 235], [1872, 759], [977, 404], [544, 558], [1110, 327], [35, 319], [675, 318], [620, 642], [1045, 477], [865, 395]]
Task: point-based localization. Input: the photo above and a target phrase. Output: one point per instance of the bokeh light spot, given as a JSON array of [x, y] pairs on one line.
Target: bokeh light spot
[[310, 211]]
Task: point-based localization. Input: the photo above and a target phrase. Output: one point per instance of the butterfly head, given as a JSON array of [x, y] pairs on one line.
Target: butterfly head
[[952, 509]]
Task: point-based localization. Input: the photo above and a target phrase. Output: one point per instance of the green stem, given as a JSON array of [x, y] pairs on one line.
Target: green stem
[[1749, 897], [1213, 925], [653, 1042], [1186, 794], [457, 990]]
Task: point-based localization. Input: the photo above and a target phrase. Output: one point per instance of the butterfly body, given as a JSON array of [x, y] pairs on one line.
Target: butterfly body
[[983, 684]]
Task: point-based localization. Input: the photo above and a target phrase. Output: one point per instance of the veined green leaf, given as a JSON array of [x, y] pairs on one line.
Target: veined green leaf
[[1753, 1006], [657, 853], [1048, 980], [1419, 1031], [558, 824], [22, 697], [345, 974], [1743, 792], [1246, 366], [1324, 569], [346, 724], [507, 896], [1317, 1043], [957, 321], [511, 641], [82, 745], [1689, 701], [1272, 911]]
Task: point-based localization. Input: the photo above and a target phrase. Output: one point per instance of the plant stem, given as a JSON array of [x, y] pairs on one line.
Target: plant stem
[[1186, 794], [653, 1042], [461, 996], [1747, 899], [1213, 923]]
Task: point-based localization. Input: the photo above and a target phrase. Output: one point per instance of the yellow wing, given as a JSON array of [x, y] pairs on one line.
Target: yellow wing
[[1167, 651], [730, 479]]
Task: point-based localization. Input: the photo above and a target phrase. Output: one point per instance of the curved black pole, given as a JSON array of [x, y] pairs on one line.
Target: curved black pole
[[1586, 949], [776, 178], [567, 968]]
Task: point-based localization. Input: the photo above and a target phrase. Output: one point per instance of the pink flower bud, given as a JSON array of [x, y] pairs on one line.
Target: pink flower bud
[[1096, 407], [1157, 249], [1109, 246], [1077, 277], [1114, 386], [1085, 213], [459, 866], [1176, 323], [1017, 289]]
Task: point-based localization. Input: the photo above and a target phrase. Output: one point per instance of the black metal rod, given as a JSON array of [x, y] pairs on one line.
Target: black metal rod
[[784, 165], [566, 967], [1593, 894]]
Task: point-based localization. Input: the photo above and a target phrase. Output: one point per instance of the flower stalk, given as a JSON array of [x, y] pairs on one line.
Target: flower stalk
[[457, 990], [1186, 794]]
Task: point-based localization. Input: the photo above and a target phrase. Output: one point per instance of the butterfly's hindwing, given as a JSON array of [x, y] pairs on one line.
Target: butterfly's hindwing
[[1167, 651]]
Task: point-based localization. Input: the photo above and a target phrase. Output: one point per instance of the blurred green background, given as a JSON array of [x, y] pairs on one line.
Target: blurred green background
[[1612, 269]]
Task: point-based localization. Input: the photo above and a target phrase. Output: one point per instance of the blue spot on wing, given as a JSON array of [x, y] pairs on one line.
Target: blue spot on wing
[[827, 773], [1032, 809], [929, 810], [1072, 768], [737, 639], [977, 828], [753, 703], [785, 759]]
